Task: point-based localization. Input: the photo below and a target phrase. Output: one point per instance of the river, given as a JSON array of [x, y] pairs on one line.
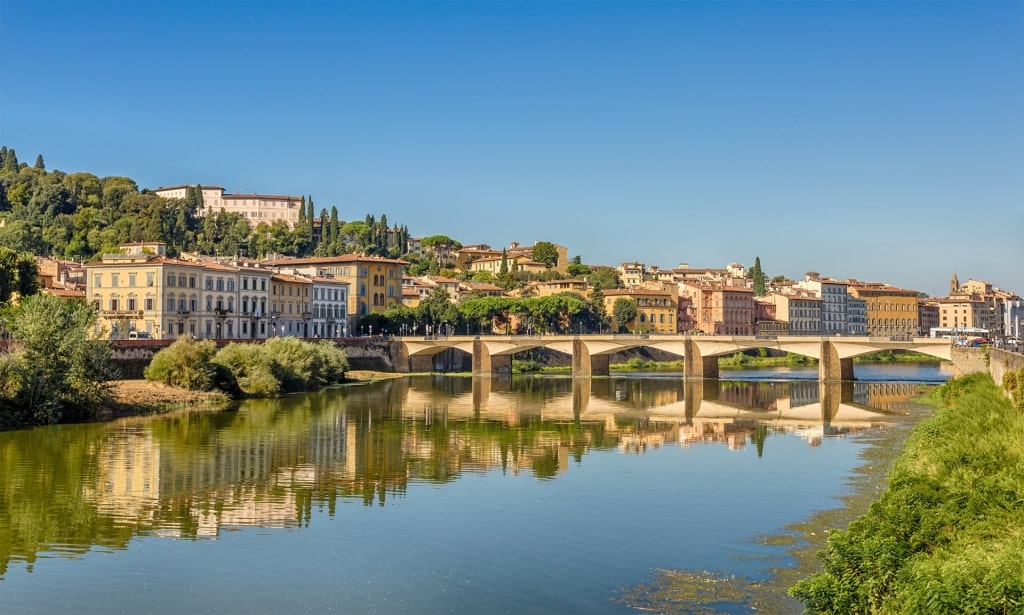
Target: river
[[433, 494]]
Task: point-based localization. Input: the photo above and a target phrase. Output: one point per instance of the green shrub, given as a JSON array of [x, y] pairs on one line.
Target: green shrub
[[283, 365], [186, 363], [1013, 383], [251, 367], [948, 533]]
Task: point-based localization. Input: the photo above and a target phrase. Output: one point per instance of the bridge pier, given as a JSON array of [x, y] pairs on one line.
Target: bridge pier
[[696, 366], [831, 367], [585, 365], [421, 363], [485, 365]]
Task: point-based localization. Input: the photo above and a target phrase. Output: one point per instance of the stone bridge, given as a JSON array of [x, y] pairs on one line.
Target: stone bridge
[[492, 354]]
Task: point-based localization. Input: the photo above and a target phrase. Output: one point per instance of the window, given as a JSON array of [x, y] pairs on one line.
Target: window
[[149, 279], [97, 280], [231, 286], [131, 279], [220, 283], [181, 280], [192, 281], [149, 303], [133, 304]]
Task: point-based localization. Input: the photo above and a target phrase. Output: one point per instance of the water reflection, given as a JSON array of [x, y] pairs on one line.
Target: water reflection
[[68, 489]]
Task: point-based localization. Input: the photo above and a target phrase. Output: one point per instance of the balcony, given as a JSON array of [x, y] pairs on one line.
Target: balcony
[[121, 313], [221, 312]]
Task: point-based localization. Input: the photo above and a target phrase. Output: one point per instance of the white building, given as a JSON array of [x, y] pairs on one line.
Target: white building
[[256, 208]]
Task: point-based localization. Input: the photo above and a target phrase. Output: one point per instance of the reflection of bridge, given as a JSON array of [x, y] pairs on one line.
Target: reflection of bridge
[[691, 402], [492, 354]]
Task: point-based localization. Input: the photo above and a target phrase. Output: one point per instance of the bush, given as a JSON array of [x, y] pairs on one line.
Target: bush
[[251, 367], [186, 363], [283, 365], [1013, 384]]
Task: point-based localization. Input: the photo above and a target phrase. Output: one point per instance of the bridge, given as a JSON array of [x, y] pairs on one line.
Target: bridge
[[492, 354]]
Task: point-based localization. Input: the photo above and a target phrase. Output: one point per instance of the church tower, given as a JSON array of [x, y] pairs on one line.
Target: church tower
[[954, 285]]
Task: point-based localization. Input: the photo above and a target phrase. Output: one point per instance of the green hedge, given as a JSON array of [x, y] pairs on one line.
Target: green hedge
[[947, 536]]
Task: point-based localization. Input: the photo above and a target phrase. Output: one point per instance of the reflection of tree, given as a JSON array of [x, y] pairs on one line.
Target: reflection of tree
[[758, 437]]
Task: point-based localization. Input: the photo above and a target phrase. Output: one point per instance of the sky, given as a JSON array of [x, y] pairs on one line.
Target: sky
[[882, 141]]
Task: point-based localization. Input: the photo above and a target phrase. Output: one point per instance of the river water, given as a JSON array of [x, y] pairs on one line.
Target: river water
[[441, 494]]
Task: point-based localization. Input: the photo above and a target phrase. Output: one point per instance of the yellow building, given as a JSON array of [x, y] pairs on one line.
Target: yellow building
[[375, 282], [556, 287], [655, 309], [891, 312], [142, 293], [290, 312]]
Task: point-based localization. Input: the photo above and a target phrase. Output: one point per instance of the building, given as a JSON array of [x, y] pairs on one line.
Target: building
[[834, 302], [801, 309], [892, 312], [465, 256], [375, 283], [766, 322], [557, 287], [255, 208], [655, 309], [961, 311], [719, 309], [143, 291], [632, 274], [857, 316], [291, 312], [927, 316]]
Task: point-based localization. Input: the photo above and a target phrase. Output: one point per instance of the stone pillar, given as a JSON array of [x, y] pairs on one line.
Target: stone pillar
[[585, 365], [402, 363], [696, 366], [831, 367], [484, 364]]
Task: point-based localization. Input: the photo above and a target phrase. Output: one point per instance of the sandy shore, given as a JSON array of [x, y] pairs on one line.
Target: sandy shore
[[131, 397]]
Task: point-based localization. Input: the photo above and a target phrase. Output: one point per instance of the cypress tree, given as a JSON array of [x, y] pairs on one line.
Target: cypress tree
[[302, 211], [11, 161], [503, 269], [39, 162], [758, 276]]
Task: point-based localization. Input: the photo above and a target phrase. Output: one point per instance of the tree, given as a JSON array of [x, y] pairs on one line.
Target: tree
[[757, 275], [39, 162], [503, 269], [18, 273], [60, 374], [623, 311], [545, 252], [603, 279]]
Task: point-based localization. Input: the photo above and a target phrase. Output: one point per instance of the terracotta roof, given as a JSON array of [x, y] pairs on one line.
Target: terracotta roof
[[327, 260]]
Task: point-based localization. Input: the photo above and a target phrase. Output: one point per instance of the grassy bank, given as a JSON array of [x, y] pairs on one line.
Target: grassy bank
[[948, 533]]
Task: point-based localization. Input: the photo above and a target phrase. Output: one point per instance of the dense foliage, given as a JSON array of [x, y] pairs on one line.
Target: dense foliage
[[948, 534], [80, 215], [279, 365], [53, 372], [1013, 384]]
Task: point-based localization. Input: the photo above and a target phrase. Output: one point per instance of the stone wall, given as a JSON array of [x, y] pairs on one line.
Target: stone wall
[[1000, 362]]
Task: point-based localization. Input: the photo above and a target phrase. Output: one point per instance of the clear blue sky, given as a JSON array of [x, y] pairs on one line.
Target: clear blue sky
[[876, 140]]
